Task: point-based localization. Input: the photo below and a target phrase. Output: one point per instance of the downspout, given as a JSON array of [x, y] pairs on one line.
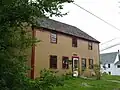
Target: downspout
[[33, 55]]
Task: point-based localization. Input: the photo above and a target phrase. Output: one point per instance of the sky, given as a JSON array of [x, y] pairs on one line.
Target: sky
[[108, 10]]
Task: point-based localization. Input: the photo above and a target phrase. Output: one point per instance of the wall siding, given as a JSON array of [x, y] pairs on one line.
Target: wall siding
[[44, 49]]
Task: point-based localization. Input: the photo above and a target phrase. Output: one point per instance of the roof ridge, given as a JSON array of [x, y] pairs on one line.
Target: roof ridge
[[109, 53], [63, 23]]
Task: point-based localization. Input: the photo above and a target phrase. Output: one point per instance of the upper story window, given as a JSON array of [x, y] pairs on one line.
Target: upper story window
[[74, 42], [108, 65], [53, 37], [90, 45], [65, 63], [91, 63], [83, 64], [53, 61]]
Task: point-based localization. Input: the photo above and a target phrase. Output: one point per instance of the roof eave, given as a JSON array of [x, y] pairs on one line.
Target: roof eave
[[67, 34]]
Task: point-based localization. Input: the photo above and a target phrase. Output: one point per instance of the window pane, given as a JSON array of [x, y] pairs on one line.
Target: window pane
[[53, 37], [118, 66], [53, 62], [109, 73], [90, 45], [91, 63], [108, 65], [74, 42], [65, 63], [83, 64]]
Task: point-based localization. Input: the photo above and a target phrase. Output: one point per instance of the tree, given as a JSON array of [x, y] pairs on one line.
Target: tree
[[15, 16]]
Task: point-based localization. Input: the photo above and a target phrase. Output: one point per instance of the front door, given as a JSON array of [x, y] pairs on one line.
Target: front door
[[75, 66]]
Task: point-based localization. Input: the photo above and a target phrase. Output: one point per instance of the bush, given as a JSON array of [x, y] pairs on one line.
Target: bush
[[97, 71], [67, 76], [46, 81]]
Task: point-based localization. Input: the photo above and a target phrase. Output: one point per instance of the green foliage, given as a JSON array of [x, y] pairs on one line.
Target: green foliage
[[15, 40], [51, 78], [96, 69], [67, 76], [70, 61], [46, 81]]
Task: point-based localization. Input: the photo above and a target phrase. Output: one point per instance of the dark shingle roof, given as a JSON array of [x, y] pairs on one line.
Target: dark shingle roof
[[64, 28], [108, 58]]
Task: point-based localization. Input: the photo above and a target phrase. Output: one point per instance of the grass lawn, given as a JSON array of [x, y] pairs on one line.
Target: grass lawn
[[83, 84], [111, 77]]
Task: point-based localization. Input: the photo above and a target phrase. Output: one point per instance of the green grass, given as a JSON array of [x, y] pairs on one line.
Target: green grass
[[111, 77], [76, 84]]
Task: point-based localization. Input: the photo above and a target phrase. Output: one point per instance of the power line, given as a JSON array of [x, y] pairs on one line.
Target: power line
[[110, 47], [104, 22], [97, 16], [108, 41]]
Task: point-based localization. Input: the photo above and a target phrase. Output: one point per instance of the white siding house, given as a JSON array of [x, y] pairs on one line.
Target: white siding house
[[110, 63]]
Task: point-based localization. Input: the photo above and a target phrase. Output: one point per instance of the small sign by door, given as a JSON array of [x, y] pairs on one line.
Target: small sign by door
[[75, 66]]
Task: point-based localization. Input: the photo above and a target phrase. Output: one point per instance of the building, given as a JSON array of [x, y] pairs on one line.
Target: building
[[110, 63], [63, 48]]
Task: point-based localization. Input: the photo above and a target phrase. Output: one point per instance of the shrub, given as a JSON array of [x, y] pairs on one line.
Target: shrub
[[67, 76], [46, 81], [97, 71]]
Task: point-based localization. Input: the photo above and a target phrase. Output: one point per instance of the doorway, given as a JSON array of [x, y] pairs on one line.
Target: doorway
[[75, 66]]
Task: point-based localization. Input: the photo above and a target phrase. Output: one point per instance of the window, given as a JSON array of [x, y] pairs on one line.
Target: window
[[90, 46], [83, 64], [108, 65], [74, 42], [53, 38], [65, 62], [104, 67], [91, 63], [53, 62], [109, 73], [118, 66]]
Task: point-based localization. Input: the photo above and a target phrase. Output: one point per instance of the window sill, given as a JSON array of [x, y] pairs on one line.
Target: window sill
[[65, 68], [53, 68], [53, 42]]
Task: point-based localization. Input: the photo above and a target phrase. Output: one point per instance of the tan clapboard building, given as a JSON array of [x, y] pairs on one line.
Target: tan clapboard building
[[63, 48]]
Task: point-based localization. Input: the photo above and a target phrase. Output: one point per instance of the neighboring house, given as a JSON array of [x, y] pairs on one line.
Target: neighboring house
[[62, 48], [110, 63]]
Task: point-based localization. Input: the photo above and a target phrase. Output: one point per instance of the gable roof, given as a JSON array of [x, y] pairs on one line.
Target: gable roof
[[118, 62], [64, 28], [108, 58]]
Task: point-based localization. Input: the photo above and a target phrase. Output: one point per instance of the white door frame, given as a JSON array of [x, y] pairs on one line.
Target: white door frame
[[75, 70]]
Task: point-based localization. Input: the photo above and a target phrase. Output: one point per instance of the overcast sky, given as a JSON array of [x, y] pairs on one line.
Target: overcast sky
[[106, 9]]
